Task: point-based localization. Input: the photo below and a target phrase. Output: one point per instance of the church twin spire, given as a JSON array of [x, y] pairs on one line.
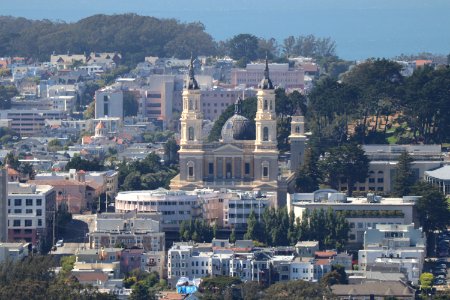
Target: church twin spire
[[266, 83], [192, 82]]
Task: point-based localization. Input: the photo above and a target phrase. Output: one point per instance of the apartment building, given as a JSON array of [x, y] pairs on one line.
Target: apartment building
[[394, 247], [3, 205], [264, 265], [31, 211], [142, 230]]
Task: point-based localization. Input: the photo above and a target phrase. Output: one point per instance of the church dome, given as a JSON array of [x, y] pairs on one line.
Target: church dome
[[238, 128]]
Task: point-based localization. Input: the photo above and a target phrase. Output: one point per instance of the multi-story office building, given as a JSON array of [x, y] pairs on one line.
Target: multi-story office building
[[398, 247], [361, 213], [3, 205], [14, 251], [31, 211], [29, 122], [174, 206], [108, 102], [128, 230], [383, 165]]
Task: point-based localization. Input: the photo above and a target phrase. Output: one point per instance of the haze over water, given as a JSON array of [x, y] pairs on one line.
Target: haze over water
[[361, 28]]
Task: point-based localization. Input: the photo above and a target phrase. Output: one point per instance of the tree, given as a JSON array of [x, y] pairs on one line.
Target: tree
[[89, 113], [6, 93], [130, 104], [54, 145], [253, 228], [140, 291], [12, 161], [426, 281], [243, 46], [171, 152], [347, 163], [233, 236], [308, 175], [296, 289], [79, 163], [404, 177], [432, 208], [336, 276]]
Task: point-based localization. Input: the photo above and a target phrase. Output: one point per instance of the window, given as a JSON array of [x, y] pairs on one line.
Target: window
[[16, 223], [38, 202], [380, 180], [371, 180], [211, 168], [17, 202], [247, 168], [17, 211], [265, 104], [265, 134], [191, 133], [29, 202], [28, 223], [38, 212], [265, 171]]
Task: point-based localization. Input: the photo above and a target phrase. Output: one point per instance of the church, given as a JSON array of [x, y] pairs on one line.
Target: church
[[246, 156]]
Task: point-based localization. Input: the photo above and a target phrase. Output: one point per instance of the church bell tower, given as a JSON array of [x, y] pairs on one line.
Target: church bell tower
[[191, 140], [191, 116], [266, 122], [297, 139]]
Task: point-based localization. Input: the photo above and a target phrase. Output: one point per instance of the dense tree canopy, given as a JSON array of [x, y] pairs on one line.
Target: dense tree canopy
[[432, 208], [132, 35], [346, 164], [404, 177]]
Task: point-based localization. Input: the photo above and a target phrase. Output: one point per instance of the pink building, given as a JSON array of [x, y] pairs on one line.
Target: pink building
[[216, 100], [280, 74]]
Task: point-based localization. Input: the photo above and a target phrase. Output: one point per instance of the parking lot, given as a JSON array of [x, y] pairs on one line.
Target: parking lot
[[439, 266]]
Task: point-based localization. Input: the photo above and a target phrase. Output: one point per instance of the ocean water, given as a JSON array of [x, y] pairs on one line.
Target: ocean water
[[361, 28]]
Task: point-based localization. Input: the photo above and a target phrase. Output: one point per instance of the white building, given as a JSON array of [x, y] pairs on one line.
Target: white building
[[238, 206], [29, 122], [186, 259], [401, 248], [31, 211], [3, 205], [361, 213], [14, 251], [174, 206], [383, 164], [108, 102], [128, 230], [439, 178]]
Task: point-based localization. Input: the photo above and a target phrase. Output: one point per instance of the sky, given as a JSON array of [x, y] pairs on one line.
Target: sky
[[361, 28]]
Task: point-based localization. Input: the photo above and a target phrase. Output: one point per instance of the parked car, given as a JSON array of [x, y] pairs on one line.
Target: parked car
[[59, 243], [439, 282], [442, 266]]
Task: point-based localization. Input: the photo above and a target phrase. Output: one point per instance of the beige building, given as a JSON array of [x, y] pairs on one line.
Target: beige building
[[281, 75], [245, 158]]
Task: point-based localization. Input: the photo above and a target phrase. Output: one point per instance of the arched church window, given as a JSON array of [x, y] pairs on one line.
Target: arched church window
[[190, 169], [191, 105], [265, 134], [270, 104], [191, 133], [265, 104], [297, 129], [265, 169]]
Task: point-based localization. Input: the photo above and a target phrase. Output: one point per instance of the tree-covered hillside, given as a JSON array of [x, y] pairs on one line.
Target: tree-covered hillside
[[132, 35]]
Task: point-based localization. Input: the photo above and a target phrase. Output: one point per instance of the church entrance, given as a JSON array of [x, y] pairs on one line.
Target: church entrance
[[228, 172]]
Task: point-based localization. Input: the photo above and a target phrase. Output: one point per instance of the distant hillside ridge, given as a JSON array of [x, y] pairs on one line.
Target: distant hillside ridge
[[132, 35]]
